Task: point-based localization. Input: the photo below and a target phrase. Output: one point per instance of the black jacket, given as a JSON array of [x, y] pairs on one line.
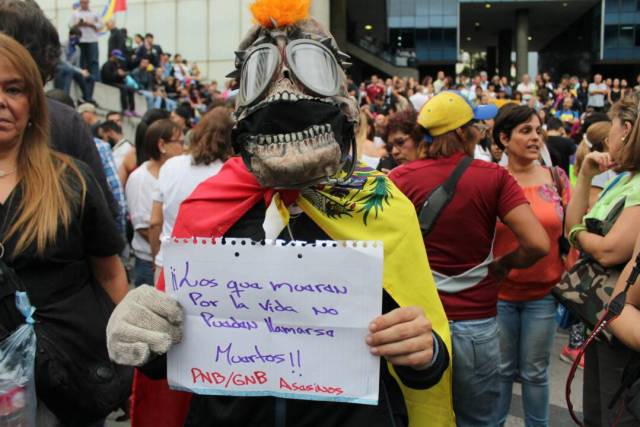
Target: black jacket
[[109, 73], [71, 136], [118, 40], [217, 411]]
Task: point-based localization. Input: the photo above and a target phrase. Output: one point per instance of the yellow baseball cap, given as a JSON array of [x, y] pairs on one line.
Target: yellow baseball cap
[[450, 110]]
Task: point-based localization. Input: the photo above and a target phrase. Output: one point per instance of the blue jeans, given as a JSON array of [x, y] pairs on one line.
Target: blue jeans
[[89, 59], [143, 273], [64, 76], [476, 388], [526, 338]]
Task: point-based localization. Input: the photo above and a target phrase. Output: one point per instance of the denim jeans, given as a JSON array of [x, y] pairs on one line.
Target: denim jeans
[[89, 59], [526, 338], [475, 372], [143, 273], [64, 76]]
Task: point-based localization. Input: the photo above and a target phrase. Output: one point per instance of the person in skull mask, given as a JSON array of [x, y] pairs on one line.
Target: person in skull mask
[[296, 178]]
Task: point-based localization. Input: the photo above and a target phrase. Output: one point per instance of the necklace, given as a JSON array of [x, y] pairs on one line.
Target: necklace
[[4, 173]]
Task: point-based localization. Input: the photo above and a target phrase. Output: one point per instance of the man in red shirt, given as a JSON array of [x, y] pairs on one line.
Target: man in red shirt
[[375, 88], [460, 244]]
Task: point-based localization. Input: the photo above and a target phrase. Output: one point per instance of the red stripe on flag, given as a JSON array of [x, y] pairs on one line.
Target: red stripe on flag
[[120, 6]]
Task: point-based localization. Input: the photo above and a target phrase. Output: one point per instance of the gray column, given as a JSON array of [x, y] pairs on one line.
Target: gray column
[[505, 46], [522, 42], [338, 21], [492, 57]]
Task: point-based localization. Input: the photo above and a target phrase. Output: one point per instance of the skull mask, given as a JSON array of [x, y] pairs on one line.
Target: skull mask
[[295, 120]]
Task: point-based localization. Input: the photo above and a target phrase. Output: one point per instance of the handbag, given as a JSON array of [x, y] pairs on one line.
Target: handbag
[[74, 376], [440, 197], [586, 288]]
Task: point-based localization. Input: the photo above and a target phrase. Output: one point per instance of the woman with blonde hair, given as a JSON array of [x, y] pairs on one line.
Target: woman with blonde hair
[[607, 239], [58, 236], [210, 147]]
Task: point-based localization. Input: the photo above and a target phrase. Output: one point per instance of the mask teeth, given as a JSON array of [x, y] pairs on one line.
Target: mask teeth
[[321, 134]]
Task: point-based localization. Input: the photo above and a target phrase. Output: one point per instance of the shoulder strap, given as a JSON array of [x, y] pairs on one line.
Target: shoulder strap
[[557, 181], [451, 183], [440, 197]]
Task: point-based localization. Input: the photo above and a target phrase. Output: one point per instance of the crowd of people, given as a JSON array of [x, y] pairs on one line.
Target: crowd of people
[[548, 180], [135, 64]]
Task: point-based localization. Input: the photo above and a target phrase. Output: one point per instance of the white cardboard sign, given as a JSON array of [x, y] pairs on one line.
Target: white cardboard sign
[[275, 319]]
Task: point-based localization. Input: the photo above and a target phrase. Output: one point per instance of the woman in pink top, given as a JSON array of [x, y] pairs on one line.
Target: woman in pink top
[[526, 309]]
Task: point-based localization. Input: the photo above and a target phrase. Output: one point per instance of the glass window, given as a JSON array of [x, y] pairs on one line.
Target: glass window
[[610, 36], [394, 8], [436, 21], [408, 21], [450, 37], [450, 21], [435, 37], [450, 7], [628, 5], [612, 6], [626, 36], [611, 18], [422, 21], [422, 7], [629, 17], [435, 7], [408, 7]]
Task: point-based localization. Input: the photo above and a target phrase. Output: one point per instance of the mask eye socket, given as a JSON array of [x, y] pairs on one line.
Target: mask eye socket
[[314, 66], [257, 72]]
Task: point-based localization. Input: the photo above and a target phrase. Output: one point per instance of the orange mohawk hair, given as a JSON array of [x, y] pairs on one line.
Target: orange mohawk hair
[[283, 12]]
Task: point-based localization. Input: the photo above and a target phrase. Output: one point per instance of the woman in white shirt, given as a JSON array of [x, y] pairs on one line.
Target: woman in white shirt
[[163, 140], [210, 146]]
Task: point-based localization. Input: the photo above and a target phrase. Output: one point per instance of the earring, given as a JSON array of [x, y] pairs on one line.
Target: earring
[[29, 123]]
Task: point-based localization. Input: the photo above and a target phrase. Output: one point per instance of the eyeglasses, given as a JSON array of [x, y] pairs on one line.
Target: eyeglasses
[[480, 127], [311, 63], [176, 141], [399, 142]]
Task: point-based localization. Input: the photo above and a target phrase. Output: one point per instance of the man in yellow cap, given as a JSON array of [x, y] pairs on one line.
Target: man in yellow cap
[[459, 244]]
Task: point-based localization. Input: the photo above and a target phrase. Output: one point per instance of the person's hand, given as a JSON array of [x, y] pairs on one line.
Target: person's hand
[[146, 321], [402, 336], [596, 163], [499, 270], [121, 72], [85, 73]]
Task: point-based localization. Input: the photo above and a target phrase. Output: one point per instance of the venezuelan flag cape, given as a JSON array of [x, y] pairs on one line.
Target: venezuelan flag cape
[[369, 207]]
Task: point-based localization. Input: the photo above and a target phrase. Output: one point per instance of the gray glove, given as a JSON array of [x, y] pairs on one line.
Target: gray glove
[[146, 321]]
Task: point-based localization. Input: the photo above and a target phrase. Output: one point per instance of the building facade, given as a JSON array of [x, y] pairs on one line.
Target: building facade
[[564, 36]]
